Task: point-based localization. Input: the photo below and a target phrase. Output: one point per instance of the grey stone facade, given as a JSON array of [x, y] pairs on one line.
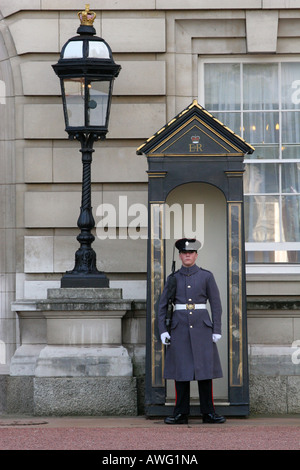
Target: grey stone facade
[[159, 44]]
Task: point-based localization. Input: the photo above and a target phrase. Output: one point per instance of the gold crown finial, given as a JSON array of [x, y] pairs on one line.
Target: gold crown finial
[[87, 17]]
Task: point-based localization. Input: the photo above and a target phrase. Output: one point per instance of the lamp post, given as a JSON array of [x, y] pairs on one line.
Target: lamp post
[[87, 71]]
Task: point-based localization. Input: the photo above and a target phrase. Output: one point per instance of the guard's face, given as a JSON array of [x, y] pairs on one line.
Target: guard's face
[[188, 258]]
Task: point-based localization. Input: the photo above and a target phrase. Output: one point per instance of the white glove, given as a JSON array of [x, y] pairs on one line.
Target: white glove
[[216, 337], [165, 336]]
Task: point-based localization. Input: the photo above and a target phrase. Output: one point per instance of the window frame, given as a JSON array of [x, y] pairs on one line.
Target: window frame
[[275, 267]]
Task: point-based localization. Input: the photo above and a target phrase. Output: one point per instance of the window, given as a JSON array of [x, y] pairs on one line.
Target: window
[[260, 101]]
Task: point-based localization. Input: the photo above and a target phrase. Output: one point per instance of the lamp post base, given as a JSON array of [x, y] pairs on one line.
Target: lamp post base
[[75, 279]]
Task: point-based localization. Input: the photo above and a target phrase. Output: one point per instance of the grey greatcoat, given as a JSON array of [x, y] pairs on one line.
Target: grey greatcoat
[[192, 354]]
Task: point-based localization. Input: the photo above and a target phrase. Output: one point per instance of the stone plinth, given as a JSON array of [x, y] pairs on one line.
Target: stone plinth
[[73, 341]]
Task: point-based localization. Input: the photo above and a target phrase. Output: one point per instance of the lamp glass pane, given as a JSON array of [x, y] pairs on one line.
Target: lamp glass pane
[[98, 102], [74, 93], [98, 49], [73, 50]]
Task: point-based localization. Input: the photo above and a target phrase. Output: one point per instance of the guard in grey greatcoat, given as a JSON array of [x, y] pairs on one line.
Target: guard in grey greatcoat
[[191, 352]]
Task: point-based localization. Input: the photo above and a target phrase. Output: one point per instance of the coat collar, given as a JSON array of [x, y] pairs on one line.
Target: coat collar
[[189, 271]]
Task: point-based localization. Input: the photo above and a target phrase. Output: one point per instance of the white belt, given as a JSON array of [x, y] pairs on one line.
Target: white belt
[[190, 306]]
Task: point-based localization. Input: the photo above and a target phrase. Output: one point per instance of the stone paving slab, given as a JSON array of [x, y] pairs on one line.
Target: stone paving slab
[[132, 434]]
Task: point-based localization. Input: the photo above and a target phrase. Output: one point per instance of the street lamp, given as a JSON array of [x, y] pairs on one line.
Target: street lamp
[[87, 71]]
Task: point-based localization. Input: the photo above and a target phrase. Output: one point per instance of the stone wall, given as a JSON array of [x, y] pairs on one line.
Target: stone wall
[[274, 354]]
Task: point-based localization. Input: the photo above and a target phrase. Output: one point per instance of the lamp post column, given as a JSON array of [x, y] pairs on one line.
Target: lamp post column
[[85, 272]]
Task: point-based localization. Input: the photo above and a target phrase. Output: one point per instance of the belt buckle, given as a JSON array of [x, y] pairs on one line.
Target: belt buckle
[[190, 306]]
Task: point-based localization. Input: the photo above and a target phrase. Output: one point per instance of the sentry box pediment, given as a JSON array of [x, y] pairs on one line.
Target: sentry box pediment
[[194, 132]]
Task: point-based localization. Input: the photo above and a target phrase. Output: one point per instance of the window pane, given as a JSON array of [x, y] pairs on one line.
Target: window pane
[[290, 127], [260, 86], [273, 256], [291, 218], [265, 151], [261, 128], [290, 89], [291, 178], [231, 120], [290, 151], [222, 86], [261, 178], [262, 219]]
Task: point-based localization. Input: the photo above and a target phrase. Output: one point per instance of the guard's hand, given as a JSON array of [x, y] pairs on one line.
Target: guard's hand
[[165, 337], [216, 337]]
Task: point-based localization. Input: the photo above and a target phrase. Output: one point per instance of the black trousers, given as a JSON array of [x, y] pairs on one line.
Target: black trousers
[[182, 403]]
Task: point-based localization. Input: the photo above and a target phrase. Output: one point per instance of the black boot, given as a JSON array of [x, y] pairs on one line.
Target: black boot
[[178, 419], [213, 418]]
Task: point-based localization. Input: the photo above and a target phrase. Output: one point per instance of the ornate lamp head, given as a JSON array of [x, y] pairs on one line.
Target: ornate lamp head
[[87, 71]]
